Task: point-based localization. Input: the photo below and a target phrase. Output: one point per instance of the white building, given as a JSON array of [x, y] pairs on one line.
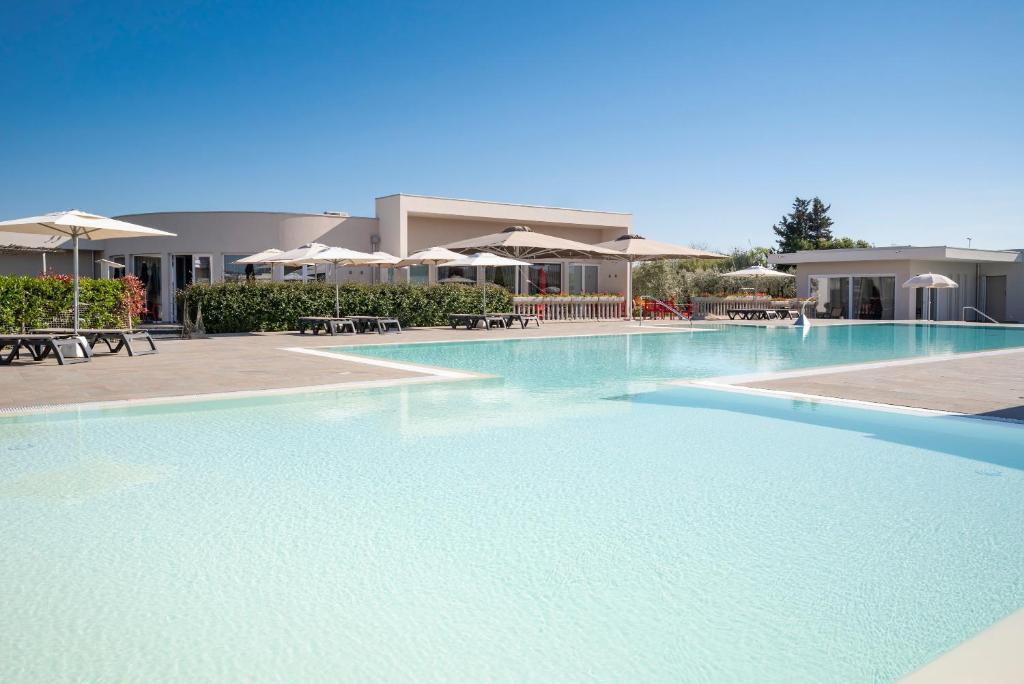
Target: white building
[[866, 283], [207, 243]]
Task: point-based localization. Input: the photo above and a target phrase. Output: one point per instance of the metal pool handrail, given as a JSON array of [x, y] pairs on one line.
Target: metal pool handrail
[[963, 314]]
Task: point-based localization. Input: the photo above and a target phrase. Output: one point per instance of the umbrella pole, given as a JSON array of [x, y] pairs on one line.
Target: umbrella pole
[[337, 310], [74, 241], [629, 290]]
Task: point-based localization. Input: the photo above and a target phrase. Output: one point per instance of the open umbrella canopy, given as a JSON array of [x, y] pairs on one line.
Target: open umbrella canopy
[[639, 248], [109, 264], [523, 243], [337, 255], [263, 257], [299, 255], [930, 280], [485, 259], [429, 257], [758, 271], [78, 224], [384, 259]]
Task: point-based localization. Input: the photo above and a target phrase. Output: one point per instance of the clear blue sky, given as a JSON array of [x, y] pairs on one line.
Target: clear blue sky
[[703, 119]]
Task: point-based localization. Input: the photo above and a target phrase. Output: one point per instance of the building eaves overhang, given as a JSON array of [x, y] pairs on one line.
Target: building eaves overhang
[[902, 253]]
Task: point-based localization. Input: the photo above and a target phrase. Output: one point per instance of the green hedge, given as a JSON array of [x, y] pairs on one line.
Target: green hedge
[[249, 307], [32, 302]]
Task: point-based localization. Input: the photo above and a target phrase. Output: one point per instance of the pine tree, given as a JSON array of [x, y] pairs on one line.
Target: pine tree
[[793, 229], [819, 224]]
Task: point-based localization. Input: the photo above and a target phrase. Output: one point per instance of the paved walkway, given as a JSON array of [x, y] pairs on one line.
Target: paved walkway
[[984, 384]]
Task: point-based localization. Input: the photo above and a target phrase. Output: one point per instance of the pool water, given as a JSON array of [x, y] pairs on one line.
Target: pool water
[[567, 520]]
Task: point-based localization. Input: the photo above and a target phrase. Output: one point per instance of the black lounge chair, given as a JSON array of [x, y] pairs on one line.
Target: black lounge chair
[[116, 339], [522, 319], [39, 346], [329, 324]]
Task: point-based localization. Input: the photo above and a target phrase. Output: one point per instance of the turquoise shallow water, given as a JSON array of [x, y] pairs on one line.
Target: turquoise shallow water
[[568, 520]]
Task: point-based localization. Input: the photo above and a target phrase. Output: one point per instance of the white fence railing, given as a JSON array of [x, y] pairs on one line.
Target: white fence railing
[[571, 308], [719, 306]]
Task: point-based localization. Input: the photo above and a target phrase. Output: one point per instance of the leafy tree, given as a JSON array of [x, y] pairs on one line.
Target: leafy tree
[[793, 230], [808, 226], [846, 243], [819, 223]]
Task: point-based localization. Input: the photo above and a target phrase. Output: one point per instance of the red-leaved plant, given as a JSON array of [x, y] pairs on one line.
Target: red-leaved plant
[[133, 300]]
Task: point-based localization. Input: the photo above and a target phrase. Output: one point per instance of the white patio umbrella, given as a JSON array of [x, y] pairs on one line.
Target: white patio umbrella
[[431, 256], [758, 272], [338, 256], [634, 248], [78, 224], [484, 259], [298, 256], [382, 259], [260, 257], [930, 281]]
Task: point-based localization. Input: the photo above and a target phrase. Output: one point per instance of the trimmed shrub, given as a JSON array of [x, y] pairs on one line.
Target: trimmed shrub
[[251, 307], [33, 302]]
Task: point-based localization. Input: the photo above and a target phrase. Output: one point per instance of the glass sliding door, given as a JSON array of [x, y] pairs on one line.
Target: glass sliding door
[[545, 279], [874, 297], [582, 278], [831, 295], [502, 275], [419, 274]]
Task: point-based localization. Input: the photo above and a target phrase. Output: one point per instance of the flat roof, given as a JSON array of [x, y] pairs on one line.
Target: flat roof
[[897, 253], [321, 214], [504, 204]]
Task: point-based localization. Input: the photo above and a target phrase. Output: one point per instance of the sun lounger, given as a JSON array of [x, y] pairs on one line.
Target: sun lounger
[[522, 319], [39, 346], [472, 321], [329, 324], [116, 339], [378, 324]]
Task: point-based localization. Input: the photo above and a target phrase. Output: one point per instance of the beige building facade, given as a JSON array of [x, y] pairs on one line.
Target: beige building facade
[[867, 283], [207, 243]]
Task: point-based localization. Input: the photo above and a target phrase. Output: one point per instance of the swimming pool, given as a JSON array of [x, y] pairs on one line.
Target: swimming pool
[[569, 519]]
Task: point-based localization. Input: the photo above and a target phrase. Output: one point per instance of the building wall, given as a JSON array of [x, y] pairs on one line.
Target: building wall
[[31, 263]]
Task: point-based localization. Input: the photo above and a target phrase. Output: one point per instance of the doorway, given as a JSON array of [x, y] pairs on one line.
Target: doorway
[[147, 270], [995, 297], [189, 269]]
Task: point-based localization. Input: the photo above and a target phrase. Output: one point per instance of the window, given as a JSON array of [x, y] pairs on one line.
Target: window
[[296, 274], [582, 278], [113, 271], [418, 275], [456, 274], [832, 295], [234, 273], [545, 279], [502, 275], [874, 297]]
